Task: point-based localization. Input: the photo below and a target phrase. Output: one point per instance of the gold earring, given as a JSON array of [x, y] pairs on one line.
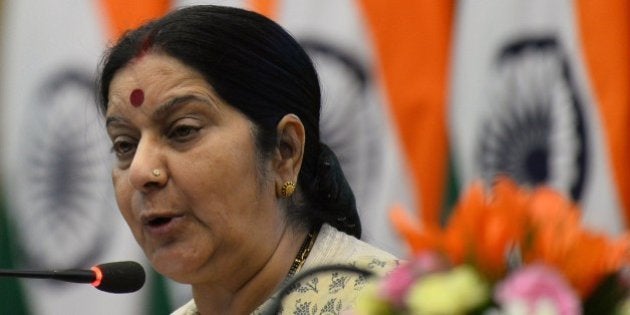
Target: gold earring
[[156, 172], [287, 189]]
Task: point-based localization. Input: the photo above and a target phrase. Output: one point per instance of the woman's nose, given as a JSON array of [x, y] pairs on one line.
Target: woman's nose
[[147, 169]]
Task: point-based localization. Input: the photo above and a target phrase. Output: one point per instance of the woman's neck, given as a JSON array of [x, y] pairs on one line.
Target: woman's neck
[[218, 299]]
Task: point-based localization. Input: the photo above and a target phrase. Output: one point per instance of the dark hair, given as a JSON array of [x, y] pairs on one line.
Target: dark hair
[[258, 68]]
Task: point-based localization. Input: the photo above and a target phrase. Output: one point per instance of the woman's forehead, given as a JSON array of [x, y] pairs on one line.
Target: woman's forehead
[[148, 79]]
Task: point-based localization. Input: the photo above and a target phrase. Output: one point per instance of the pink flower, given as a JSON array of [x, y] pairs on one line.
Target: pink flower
[[538, 286], [395, 286]]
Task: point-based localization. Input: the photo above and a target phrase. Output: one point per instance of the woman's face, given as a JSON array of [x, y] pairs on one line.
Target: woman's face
[[212, 212]]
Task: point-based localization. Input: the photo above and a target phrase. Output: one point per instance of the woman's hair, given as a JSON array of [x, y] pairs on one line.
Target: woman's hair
[[258, 68]]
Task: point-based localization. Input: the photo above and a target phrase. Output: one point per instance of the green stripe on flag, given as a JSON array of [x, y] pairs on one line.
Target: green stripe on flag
[[12, 300], [451, 192], [159, 303]]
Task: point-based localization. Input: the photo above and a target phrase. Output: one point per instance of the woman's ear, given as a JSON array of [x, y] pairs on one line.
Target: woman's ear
[[289, 150]]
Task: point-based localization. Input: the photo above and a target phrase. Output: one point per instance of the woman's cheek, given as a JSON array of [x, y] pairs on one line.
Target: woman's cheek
[[123, 197]]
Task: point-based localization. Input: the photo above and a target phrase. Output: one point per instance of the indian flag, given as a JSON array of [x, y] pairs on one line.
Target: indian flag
[[368, 118], [469, 90], [383, 67], [539, 92], [59, 209]]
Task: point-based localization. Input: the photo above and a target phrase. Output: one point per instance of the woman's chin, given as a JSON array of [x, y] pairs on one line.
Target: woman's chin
[[175, 265]]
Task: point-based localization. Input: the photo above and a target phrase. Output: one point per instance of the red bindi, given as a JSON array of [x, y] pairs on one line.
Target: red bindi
[[136, 97]]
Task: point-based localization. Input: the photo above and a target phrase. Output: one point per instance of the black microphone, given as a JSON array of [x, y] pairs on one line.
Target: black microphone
[[115, 277]]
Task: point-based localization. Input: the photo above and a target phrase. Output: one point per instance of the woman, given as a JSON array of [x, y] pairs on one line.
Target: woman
[[213, 113]]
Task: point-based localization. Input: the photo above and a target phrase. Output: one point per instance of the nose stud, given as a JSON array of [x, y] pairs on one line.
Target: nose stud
[[156, 172]]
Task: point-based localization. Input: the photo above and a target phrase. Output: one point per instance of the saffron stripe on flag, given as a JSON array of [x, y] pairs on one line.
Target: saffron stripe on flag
[[605, 32], [123, 15], [413, 39]]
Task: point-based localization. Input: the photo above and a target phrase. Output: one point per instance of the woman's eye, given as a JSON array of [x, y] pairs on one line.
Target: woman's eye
[[183, 132], [123, 148]]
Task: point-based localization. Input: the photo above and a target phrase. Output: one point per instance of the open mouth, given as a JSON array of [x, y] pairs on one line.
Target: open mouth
[[160, 221], [157, 221]]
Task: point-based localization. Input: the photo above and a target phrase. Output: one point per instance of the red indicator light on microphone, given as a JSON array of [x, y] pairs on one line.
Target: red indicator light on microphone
[[99, 276]]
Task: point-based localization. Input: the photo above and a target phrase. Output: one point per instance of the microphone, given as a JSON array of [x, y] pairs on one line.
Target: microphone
[[115, 277]]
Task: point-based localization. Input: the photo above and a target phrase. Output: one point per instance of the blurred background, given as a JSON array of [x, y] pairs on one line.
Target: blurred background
[[421, 97]]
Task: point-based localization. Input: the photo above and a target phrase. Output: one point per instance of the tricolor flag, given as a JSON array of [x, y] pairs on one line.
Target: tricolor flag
[[383, 102], [466, 90], [423, 97], [59, 210], [540, 92]]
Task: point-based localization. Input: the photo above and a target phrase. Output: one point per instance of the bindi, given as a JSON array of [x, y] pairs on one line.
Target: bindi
[[136, 97]]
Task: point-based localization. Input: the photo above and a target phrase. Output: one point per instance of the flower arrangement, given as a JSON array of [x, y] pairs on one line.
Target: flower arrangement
[[510, 251]]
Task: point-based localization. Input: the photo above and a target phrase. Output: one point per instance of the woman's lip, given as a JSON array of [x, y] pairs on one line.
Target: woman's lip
[[147, 217], [162, 225]]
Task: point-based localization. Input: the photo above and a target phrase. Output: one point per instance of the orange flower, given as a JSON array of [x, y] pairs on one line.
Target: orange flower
[[417, 239], [543, 224], [504, 226], [560, 240]]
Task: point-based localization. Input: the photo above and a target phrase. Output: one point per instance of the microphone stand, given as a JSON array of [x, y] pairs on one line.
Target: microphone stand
[[72, 275]]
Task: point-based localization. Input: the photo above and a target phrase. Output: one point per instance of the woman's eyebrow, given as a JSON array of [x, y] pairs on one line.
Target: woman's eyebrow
[[112, 120], [163, 110]]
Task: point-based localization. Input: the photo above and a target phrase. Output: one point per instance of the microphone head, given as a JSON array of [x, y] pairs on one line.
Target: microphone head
[[119, 277]]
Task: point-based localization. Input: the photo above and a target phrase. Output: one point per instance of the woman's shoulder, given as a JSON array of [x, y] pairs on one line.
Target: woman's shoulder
[[335, 289], [333, 247], [189, 308]]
